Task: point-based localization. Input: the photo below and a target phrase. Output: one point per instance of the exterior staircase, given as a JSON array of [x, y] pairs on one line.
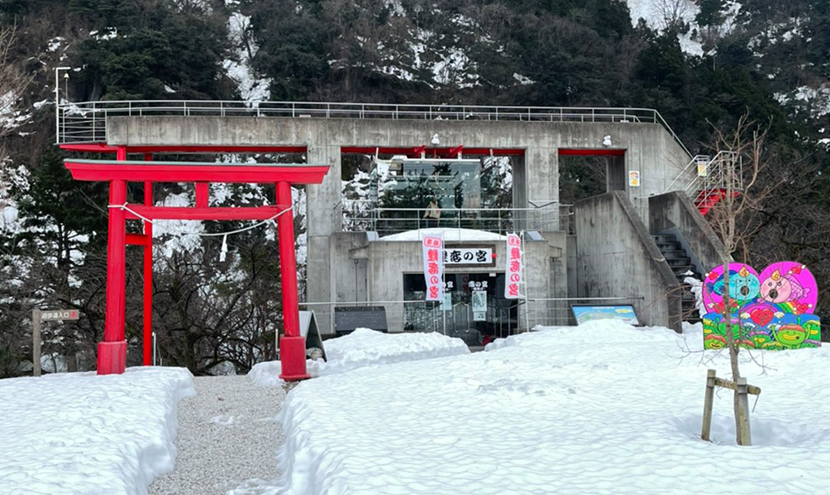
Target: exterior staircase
[[712, 178], [680, 263]]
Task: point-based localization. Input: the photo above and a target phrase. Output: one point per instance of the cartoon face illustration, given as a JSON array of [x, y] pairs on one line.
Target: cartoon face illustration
[[812, 327], [772, 346], [714, 342], [790, 335], [779, 288], [743, 285], [760, 340]]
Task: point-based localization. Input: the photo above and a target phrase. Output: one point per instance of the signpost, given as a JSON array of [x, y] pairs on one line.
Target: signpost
[[620, 312], [469, 256], [479, 299], [46, 315], [349, 318]]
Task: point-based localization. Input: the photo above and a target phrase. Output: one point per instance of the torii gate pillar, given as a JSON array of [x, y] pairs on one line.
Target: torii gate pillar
[[112, 352], [292, 344]]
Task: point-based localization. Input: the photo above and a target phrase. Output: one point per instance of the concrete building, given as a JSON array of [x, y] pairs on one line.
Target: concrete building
[[631, 243]]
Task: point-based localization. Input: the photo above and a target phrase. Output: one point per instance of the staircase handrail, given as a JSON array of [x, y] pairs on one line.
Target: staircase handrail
[[692, 163]]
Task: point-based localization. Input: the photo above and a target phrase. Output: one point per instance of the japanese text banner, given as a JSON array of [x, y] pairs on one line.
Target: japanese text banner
[[432, 248], [513, 267]]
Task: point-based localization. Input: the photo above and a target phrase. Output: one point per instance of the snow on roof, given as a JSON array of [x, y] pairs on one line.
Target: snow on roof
[[449, 235]]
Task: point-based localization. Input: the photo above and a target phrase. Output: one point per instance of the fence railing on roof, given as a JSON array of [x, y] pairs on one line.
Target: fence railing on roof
[[364, 216], [87, 121]]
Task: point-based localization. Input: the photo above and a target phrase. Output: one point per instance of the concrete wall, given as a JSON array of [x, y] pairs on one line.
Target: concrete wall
[[674, 213], [650, 149], [573, 288], [616, 257]]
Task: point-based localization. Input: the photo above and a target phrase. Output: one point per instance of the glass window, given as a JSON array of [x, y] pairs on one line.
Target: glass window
[[422, 316]]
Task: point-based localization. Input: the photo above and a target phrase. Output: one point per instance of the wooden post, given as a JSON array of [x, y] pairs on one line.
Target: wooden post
[[36, 342], [707, 405], [743, 414]]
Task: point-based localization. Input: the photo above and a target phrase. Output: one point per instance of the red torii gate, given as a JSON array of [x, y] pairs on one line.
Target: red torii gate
[[112, 352]]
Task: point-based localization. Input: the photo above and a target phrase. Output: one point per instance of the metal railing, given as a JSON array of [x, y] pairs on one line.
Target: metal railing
[[87, 121], [426, 316], [504, 317], [363, 216], [705, 177]]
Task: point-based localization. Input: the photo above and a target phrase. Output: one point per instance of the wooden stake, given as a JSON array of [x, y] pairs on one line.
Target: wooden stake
[[35, 342], [744, 437], [707, 405]]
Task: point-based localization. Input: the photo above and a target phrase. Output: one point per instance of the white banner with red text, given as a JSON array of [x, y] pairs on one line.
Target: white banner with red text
[[513, 267], [433, 252]]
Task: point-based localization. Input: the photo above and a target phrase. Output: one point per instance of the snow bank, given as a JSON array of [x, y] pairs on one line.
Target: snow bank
[[449, 235], [266, 374], [365, 347], [82, 433], [599, 408]]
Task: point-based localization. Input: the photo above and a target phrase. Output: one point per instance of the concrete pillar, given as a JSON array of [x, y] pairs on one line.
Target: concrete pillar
[[324, 217], [519, 190], [542, 177]]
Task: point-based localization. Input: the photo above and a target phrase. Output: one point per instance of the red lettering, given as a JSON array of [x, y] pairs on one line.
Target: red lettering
[[514, 277], [432, 242], [513, 240], [515, 266], [515, 253], [432, 255], [513, 289]]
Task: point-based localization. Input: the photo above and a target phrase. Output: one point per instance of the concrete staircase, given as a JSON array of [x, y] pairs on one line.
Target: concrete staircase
[[680, 263]]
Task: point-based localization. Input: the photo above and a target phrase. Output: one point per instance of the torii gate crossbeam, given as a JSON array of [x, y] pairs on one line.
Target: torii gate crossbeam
[[112, 352]]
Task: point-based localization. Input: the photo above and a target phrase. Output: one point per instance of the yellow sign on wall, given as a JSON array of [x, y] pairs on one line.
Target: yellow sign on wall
[[634, 178]]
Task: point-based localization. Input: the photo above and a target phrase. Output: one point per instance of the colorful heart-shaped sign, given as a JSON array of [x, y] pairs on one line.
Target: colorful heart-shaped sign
[[761, 316]]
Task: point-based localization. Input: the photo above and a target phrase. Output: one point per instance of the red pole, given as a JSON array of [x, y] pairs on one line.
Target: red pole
[[148, 274], [292, 344], [112, 352]]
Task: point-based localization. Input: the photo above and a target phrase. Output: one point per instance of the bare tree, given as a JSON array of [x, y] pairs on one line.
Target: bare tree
[[672, 12], [12, 85], [739, 160], [13, 82]]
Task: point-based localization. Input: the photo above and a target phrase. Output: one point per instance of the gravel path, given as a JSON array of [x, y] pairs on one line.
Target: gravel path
[[227, 439]]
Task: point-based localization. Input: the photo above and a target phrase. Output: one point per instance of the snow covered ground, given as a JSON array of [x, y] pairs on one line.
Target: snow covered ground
[[82, 433], [365, 347], [599, 408]]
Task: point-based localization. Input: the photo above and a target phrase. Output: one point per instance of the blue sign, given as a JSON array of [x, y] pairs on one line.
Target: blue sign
[[621, 312]]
